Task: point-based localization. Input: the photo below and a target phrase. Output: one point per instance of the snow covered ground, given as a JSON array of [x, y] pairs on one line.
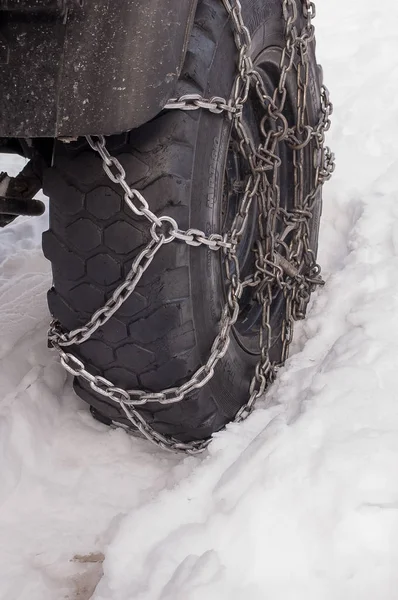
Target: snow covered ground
[[299, 502]]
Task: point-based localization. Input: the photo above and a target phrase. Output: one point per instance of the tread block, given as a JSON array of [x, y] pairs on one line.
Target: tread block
[[87, 298], [59, 308], [164, 376], [123, 237], [114, 330], [135, 357], [98, 352], [182, 339], [84, 234], [69, 264], [84, 169], [169, 190], [66, 198], [103, 202], [135, 167], [122, 378], [103, 269], [151, 328], [162, 131]]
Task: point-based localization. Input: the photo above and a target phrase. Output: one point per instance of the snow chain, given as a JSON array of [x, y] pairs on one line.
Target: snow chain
[[292, 267]]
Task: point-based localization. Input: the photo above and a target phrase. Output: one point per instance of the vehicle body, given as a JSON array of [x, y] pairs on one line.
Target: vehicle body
[[67, 69]]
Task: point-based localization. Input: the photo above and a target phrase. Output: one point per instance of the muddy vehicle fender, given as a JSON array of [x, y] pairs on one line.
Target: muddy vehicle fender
[[76, 67]]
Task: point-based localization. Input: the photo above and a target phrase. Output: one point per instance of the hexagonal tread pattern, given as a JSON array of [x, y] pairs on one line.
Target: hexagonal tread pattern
[[94, 238]]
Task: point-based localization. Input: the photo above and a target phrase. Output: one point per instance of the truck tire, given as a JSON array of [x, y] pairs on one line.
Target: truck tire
[[179, 162]]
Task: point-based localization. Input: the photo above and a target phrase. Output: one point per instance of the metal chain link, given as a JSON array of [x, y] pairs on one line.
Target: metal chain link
[[284, 257]]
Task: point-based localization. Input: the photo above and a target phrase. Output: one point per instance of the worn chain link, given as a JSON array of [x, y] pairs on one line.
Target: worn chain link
[[285, 260]]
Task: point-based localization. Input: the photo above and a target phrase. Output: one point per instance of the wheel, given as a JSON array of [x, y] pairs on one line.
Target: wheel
[[188, 166]]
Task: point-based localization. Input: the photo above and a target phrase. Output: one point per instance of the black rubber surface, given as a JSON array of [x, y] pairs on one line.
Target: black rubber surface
[[164, 331]]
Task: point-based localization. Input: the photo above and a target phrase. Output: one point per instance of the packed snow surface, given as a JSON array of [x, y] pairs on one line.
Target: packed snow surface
[[300, 501]]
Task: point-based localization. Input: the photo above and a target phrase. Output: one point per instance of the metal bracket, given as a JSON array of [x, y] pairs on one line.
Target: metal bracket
[[16, 193], [21, 206]]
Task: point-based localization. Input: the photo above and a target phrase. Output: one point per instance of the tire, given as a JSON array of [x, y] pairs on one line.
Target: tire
[[165, 330]]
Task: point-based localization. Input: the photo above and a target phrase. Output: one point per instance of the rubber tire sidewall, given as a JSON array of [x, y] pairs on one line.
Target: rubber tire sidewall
[[230, 384]]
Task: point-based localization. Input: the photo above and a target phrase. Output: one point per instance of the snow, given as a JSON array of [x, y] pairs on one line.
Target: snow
[[300, 501]]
